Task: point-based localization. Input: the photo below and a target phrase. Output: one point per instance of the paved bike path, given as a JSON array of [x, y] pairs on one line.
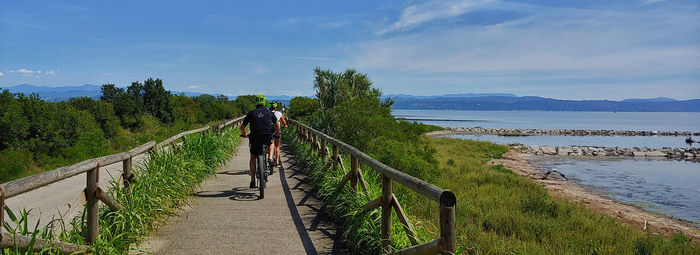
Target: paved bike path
[[227, 217]]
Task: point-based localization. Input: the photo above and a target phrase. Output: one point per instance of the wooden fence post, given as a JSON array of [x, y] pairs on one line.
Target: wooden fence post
[[126, 173], [387, 194], [92, 206], [336, 157], [324, 149], [313, 142], [2, 208], [354, 172], [448, 233]]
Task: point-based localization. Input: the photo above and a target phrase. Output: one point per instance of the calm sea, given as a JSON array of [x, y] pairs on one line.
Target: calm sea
[[640, 121], [665, 186]]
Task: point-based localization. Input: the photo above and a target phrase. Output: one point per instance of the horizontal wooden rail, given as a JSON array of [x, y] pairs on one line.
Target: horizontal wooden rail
[[172, 139], [92, 193], [431, 191], [29, 183], [8, 240], [388, 202]]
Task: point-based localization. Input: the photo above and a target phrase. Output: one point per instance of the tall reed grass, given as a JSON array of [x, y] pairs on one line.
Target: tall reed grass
[[165, 182]]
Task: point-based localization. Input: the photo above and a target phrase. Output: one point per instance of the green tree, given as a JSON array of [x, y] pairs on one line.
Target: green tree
[[156, 100], [335, 88], [186, 110], [245, 103], [102, 111], [301, 107]]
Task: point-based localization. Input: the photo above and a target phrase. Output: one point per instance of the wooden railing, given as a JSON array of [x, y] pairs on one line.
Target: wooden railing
[[92, 192], [445, 244]]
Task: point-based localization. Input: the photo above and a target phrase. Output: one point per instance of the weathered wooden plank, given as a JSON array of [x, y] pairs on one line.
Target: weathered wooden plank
[[178, 136], [113, 205], [141, 149], [2, 207], [448, 233], [407, 226], [432, 247], [28, 183], [374, 204], [92, 208], [387, 194], [126, 173], [354, 169], [7, 240], [345, 180], [429, 190], [363, 183]]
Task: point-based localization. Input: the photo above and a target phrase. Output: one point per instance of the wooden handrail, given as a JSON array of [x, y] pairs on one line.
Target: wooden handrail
[[92, 192], [431, 191], [32, 182], [446, 244]]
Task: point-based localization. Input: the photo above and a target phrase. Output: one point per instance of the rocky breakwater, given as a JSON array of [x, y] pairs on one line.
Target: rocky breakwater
[[563, 132], [676, 153]]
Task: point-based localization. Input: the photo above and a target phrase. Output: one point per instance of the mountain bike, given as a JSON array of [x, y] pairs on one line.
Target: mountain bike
[[263, 166], [262, 171]]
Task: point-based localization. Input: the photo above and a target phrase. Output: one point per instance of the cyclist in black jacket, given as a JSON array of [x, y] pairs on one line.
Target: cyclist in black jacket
[[263, 124]]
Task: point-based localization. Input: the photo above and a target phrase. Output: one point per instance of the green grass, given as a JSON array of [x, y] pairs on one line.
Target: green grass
[[500, 212], [165, 182], [361, 231]]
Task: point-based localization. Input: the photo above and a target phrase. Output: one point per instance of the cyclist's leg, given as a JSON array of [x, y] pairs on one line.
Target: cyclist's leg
[[270, 148], [268, 140], [277, 150]]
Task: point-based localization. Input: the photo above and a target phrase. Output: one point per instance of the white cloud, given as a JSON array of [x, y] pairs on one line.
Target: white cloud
[[197, 87], [415, 15], [312, 58], [34, 73], [547, 40], [334, 24], [24, 71], [1, 74], [106, 74]]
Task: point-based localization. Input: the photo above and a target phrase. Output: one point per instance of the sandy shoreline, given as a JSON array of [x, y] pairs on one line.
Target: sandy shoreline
[[519, 163]]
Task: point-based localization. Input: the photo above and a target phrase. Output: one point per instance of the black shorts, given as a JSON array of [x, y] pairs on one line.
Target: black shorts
[[257, 141]]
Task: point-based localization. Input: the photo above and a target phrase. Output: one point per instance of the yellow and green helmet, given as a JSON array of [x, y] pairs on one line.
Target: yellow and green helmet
[[260, 99]]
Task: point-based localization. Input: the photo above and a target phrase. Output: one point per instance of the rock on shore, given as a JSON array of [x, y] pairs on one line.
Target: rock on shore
[[677, 153]]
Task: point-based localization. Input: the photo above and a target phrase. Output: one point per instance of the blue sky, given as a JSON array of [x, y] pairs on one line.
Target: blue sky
[[561, 49]]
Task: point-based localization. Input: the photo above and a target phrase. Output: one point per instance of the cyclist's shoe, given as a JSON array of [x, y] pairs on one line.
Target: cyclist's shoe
[[252, 184], [272, 166]]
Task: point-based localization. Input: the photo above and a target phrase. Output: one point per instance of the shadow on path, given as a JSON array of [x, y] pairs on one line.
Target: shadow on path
[[320, 217], [303, 233]]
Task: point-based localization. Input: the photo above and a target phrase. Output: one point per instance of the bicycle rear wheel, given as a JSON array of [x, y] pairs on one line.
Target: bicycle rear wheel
[[262, 168]]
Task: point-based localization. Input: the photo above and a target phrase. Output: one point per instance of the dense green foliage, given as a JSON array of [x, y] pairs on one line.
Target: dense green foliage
[[36, 135], [302, 107], [497, 211], [165, 182]]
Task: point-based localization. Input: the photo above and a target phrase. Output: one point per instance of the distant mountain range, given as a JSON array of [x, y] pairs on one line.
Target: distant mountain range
[[469, 101], [490, 102], [55, 94]]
